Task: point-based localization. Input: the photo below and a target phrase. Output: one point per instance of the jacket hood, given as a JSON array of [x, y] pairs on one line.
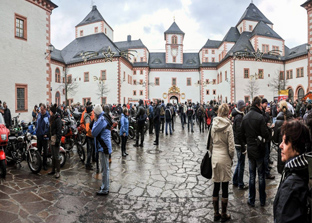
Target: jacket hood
[[236, 112], [220, 124], [298, 162], [280, 115]]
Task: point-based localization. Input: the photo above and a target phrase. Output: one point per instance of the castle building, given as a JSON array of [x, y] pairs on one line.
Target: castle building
[[93, 67]]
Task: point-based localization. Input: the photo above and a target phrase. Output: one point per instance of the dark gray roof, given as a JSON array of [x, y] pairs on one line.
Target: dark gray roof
[[212, 44], [242, 43], [93, 16], [140, 64], [134, 44], [209, 64], [174, 29], [232, 35], [263, 29], [56, 55], [306, 3], [296, 51], [51, 3], [96, 42], [158, 61], [254, 14]]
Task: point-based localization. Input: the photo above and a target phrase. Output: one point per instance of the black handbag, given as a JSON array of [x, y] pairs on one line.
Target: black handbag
[[205, 166]]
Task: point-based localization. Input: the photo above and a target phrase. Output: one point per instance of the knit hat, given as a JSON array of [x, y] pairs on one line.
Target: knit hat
[[240, 104], [89, 109], [98, 109], [53, 109], [264, 100]]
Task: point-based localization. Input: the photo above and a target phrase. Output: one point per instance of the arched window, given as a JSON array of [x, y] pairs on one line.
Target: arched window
[[291, 94], [174, 40], [57, 75], [300, 93], [57, 98]]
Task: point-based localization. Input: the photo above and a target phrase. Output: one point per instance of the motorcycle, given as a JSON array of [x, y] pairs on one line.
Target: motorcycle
[[71, 137], [114, 133], [81, 131], [133, 127], [4, 133]]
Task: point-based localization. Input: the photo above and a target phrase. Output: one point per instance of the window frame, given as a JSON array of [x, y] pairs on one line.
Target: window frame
[[157, 79], [96, 29], [188, 79], [84, 77], [207, 91], [175, 79], [246, 69], [101, 75], [24, 19], [69, 77], [260, 77], [141, 92], [265, 48], [85, 99], [134, 93], [81, 32], [25, 87], [104, 98]]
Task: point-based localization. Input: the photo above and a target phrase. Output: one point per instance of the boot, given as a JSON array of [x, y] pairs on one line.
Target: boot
[[53, 168], [215, 202], [224, 216]]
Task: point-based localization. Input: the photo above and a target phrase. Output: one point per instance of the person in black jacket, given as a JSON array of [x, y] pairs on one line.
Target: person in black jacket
[[290, 204], [140, 121], [7, 115], [55, 130], [238, 114], [255, 132], [157, 122]]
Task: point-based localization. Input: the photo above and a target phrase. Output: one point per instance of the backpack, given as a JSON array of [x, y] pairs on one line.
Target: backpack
[[189, 111], [200, 113], [142, 119], [168, 114], [162, 111]]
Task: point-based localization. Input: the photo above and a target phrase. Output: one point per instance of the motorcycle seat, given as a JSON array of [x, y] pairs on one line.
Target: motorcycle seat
[[12, 138]]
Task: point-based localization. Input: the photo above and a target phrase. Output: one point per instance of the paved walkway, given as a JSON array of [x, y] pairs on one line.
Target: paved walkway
[[151, 185]]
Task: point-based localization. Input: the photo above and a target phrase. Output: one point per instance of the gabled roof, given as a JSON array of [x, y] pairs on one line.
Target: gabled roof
[[295, 52], [242, 43], [93, 16], [56, 55], [254, 14], [232, 35], [263, 29], [158, 61], [96, 42], [212, 44], [174, 29], [133, 44]]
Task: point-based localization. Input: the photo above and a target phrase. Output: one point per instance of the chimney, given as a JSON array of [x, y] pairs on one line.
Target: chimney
[[129, 38], [93, 7]]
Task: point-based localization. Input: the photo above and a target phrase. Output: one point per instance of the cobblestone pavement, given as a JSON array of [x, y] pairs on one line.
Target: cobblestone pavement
[[150, 185]]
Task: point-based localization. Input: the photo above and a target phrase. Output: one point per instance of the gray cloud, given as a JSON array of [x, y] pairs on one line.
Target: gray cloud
[[147, 29]]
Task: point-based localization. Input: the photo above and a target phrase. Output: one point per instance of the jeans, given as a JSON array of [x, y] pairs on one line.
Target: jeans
[[162, 121], [140, 131], [123, 144], [201, 122], [182, 120], [189, 121], [172, 122], [238, 177], [90, 149], [104, 159], [157, 129], [168, 123], [274, 120], [151, 124], [255, 164], [42, 144], [55, 158], [266, 158]]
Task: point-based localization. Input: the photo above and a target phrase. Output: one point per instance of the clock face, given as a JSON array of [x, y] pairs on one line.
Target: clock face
[[174, 52]]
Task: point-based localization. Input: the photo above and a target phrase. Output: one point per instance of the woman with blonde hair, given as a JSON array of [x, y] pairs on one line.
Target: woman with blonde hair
[[283, 116], [222, 149]]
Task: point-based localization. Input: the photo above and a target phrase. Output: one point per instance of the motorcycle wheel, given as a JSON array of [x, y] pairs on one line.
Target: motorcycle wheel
[[36, 163], [81, 153], [131, 133], [62, 158], [83, 139], [2, 169], [116, 137]]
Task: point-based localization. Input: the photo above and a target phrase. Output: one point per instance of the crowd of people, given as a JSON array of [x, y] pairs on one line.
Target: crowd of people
[[250, 129]]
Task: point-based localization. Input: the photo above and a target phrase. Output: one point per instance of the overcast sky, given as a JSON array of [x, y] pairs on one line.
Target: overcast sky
[[200, 20]]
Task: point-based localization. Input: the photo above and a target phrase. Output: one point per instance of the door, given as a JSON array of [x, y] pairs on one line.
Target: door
[[173, 100]]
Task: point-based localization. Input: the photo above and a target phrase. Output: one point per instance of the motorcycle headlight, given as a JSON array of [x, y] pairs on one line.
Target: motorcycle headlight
[[3, 136]]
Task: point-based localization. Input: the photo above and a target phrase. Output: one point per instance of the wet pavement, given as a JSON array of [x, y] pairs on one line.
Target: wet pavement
[[152, 184]]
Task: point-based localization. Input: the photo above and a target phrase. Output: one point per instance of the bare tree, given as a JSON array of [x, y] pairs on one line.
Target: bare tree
[[102, 89], [70, 86], [278, 82], [252, 88]]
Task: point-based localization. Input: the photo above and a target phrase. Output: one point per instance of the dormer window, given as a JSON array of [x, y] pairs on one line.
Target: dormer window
[[174, 40], [96, 29], [81, 32], [250, 27]]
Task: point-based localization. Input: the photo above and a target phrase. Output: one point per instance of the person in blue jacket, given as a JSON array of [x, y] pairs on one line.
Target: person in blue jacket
[[124, 131], [102, 143]]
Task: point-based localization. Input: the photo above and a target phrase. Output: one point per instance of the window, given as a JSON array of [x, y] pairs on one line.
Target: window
[[174, 59], [174, 40], [246, 73], [188, 81], [260, 74], [81, 32], [220, 77], [174, 81], [207, 81], [20, 27], [134, 82], [103, 75], [157, 81], [241, 29], [63, 79], [299, 72], [135, 60], [265, 48], [225, 75], [57, 75], [69, 79], [124, 76], [85, 100], [246, 99], [141, 59], [141, 72], [134, 93], [281, 76], [206, 59], [57, 98], [189, 101], [105, 30], [214, 81], [86, 77], [250, 27], [214, 92], [96, 29], [141, 92], [64, 92], [213, 51], [21, 97], [207, 92], [141, 82], [134, 72], [289, 74], [275, 48], [212, 59], [206, 51], [103, 100]]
